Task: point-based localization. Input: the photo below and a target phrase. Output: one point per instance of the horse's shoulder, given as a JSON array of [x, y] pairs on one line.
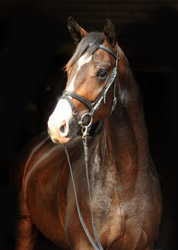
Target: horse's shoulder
[[26, 157]]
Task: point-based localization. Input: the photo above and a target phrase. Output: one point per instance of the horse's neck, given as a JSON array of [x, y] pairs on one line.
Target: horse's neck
[[124, 137], [127, 139], [127, 125], [124, 153]]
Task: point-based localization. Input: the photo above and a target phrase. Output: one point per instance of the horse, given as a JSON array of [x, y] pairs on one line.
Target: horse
[[89, 182]]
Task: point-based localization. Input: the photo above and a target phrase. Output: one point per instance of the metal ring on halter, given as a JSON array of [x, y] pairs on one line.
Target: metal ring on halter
[[82, 124], [85, 128]]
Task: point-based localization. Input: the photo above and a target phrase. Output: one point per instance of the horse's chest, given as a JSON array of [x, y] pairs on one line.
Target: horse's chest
[[107, 210], [112, 224]]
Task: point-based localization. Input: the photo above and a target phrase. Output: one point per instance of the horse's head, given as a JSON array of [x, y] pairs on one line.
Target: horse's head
[[89, 95]]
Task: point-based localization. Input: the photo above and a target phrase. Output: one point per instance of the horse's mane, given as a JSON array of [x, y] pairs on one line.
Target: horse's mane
[[88, 44]]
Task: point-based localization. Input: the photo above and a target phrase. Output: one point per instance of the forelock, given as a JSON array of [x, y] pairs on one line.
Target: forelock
[[89, 44]]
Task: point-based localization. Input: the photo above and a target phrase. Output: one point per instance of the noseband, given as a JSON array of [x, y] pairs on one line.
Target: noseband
[[96, 104]]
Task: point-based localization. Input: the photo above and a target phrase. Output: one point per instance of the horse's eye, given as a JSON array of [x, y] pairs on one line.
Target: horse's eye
[[102, 74]]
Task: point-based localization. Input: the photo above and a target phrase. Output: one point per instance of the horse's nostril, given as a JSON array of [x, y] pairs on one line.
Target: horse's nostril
[[62, 129]]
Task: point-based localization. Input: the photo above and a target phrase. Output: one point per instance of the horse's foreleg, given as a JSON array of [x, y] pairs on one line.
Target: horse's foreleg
[[26, 232]]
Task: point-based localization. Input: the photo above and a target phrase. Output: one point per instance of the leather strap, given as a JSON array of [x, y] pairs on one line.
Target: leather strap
[[78, 97], [101, 46], [77, 204]]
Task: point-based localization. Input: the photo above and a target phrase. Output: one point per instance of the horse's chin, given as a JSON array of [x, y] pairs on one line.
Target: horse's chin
[[60, 139], [64, 140]]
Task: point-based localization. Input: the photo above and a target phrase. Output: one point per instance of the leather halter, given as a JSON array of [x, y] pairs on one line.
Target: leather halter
[[95, 105]]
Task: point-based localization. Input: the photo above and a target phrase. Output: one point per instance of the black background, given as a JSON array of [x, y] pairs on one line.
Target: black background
[[34, 47]]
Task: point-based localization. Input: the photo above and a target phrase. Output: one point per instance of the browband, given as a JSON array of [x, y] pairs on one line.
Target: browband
[[101, 46]]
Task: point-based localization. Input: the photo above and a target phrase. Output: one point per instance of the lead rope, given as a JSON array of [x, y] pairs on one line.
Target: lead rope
[[76, 200], [85, 146]]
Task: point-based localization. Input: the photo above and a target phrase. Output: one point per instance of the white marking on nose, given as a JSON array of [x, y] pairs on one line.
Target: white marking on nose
[[62, 111], [82, 60], [60, 118]]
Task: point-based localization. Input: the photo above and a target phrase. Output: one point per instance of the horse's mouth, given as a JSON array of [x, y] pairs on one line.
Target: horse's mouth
[[72, 133]]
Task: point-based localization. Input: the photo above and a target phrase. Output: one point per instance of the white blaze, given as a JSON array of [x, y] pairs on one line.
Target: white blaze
[[63, 111], [82, 60]]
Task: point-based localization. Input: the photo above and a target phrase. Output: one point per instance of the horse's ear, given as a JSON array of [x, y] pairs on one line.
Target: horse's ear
[[75, 30], [110, 33]]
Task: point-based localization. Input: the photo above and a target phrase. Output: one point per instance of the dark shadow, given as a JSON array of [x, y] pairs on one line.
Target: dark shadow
[[29, 63], [154, 44]]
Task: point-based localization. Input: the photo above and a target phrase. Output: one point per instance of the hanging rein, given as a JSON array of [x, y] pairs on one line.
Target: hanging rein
[[85, 128]]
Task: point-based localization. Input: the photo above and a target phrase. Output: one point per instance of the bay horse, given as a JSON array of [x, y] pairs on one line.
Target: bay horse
[[112, 198]]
